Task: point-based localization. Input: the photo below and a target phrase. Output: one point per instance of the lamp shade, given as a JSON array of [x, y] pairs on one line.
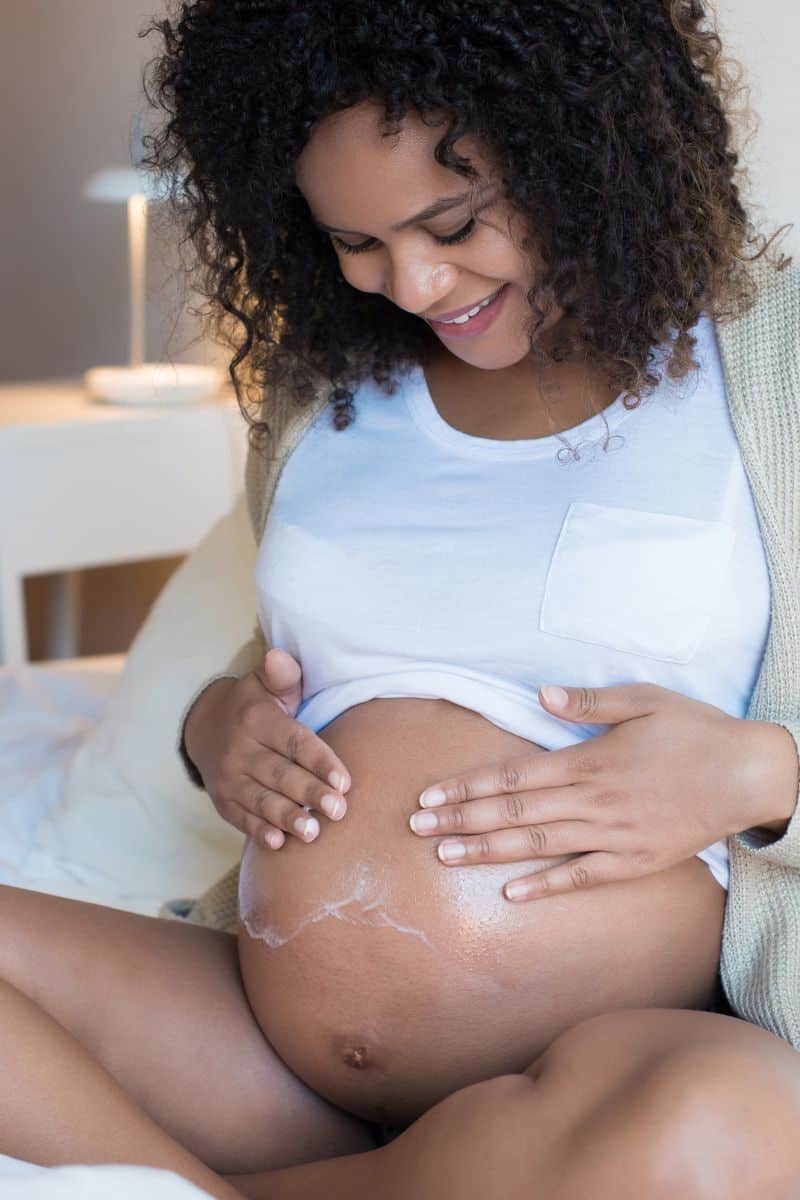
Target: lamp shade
[[141, 382]]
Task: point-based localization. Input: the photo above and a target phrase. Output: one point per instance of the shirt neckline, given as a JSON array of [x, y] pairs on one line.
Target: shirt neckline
[[420, 404]]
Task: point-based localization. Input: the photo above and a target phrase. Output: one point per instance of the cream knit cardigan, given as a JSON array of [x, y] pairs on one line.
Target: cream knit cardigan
[[760, 956]]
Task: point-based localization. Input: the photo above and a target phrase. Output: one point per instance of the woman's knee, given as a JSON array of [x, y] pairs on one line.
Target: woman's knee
[[683, 1113], [714, 1122]]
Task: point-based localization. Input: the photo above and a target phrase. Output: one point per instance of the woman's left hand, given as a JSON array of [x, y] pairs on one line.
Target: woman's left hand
[[673, 776]]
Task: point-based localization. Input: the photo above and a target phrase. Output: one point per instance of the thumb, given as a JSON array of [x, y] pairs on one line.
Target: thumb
[[282, 676], [600, 706]]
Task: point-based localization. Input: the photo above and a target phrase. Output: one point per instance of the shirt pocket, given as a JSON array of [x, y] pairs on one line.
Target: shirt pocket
[[641, 582]]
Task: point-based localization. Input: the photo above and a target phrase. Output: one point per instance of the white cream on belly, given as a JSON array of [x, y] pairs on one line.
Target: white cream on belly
[[363, 904], [477, 926]]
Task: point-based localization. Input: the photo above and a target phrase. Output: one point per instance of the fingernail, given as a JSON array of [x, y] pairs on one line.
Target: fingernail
[[515, 891], [332, 805], [336, 779], [307, 827], [274, 839], [423, 822], [451, 851], [556, 697], [431, 797]]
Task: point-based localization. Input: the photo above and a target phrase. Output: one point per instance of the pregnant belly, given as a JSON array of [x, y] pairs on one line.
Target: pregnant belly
[[386, 980]]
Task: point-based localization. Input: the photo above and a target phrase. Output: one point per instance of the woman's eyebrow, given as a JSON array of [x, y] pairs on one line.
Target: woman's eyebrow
[[443, 204]]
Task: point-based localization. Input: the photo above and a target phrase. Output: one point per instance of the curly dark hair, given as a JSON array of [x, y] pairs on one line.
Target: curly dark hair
[[611, 123]]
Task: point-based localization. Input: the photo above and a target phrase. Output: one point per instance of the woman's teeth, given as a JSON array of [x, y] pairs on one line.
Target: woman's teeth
[[472, 312]]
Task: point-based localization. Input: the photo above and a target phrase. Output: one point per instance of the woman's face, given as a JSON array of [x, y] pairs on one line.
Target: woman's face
[[363, 187]]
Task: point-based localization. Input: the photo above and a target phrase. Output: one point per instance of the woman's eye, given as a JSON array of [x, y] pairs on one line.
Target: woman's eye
[[461, 236]]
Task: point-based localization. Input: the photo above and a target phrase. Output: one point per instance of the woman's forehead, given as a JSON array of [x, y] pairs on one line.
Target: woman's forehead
[[346, 157]]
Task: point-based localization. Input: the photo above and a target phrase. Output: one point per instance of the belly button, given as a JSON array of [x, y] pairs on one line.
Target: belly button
[[356, 1057]]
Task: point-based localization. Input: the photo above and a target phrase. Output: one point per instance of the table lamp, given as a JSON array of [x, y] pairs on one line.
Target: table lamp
[[141, 382]]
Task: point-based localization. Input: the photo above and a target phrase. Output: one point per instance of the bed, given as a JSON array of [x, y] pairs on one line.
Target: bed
[[94, 802], [47, 711]]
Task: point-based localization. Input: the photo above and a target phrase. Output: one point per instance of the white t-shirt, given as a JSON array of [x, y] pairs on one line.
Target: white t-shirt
[[403, 557]]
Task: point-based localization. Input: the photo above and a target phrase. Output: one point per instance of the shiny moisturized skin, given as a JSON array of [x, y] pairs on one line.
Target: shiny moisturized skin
[[386, 980]]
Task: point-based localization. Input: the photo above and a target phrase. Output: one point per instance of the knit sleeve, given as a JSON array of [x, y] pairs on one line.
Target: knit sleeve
[[249, 656], [261, 474], [785, 850], [252, 653]]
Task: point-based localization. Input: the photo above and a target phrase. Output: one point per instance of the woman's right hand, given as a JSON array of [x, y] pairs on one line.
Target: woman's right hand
[[261, 768]]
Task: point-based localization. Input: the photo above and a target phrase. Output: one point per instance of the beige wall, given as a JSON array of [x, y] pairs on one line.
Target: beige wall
[[70, 74], [69, 80], [765, 36]]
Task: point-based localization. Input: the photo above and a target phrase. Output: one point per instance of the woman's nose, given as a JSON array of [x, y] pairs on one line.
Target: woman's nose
[[421, 289]]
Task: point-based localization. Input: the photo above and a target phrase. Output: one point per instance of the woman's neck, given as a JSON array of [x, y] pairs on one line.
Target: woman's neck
[[515, 403]]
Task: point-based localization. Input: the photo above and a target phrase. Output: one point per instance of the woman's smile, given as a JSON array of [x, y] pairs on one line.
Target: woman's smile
[[475, 321]]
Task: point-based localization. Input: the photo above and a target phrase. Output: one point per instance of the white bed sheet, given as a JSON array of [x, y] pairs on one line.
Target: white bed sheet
[[46, 709]]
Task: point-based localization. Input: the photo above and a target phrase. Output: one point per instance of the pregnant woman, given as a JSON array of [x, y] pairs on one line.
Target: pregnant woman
[[527, 418]]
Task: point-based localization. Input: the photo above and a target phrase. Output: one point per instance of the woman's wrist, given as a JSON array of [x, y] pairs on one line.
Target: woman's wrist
[[776, 779], [197, 714]]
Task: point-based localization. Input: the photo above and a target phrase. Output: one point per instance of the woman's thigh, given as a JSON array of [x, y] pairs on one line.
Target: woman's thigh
[[162, 1006], [698, 1103]]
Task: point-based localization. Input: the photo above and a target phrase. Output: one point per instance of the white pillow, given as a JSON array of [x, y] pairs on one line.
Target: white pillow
[[130, 820]]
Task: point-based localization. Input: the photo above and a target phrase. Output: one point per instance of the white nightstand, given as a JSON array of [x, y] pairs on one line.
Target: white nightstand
[[87, 484]]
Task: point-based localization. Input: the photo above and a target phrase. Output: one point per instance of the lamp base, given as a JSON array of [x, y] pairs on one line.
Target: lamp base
[[153, 383]]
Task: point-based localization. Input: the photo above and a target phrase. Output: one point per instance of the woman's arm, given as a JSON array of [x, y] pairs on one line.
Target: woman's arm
[[760, 959], [780, 792], [249, 656]]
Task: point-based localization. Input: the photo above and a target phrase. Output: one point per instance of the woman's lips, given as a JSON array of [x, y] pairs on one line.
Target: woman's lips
[[475, 325]]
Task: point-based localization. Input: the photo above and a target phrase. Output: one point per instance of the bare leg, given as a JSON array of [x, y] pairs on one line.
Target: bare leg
[[157, 1008], [97, 1064], [669, 1102], [58, 1105], [450, 1153], [639, 1104]]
